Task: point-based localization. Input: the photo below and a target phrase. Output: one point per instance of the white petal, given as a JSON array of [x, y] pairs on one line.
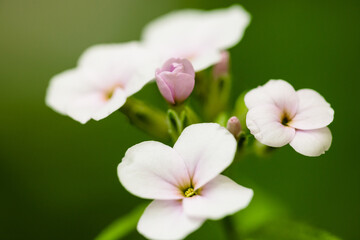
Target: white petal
[[81, 93], [207, 149], [193, 33], [313, 112], [312, 143], [218, 198], [204, 60], [73, 93], [257, 96], [264, 122], [153, 170], [124, 64], [62, 89], [117, 100], [278, 92], [165, 219]]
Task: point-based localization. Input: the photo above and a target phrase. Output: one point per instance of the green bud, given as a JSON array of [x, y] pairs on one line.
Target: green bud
[[146, 118]]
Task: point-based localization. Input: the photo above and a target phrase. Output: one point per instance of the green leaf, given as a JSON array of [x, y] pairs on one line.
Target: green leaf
[[122, 226]]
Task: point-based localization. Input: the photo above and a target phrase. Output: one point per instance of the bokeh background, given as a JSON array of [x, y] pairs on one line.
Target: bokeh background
[[58, 178]]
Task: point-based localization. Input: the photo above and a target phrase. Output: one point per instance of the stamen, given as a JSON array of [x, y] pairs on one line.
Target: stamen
[[190, 192]]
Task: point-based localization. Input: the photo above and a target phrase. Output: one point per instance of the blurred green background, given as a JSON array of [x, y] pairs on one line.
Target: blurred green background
[[58, 178]]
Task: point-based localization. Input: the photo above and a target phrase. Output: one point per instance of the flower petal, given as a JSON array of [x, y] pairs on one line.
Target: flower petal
[[313, 112], [207, 149], [264, 122], [278, 92], [193, 33], [118, 70], [218, 198], [71, 93], [129, 65], [62, 89], [312, 143], [166, 220], [153, 170]]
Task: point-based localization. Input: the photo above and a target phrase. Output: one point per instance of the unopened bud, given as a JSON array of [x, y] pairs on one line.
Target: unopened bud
[[176, 80], [234, 126], [222, 67]]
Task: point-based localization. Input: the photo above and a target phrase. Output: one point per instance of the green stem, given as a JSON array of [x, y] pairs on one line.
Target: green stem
[[230, 229]]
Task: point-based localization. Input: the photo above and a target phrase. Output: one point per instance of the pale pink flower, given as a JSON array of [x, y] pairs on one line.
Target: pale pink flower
[[184, 181], [279, 115], [197, 35], [105, 76], [175, 80]]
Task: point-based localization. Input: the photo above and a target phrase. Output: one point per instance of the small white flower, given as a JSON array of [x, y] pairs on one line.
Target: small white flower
[[199, 36], [105, 76], [279, 115], [184, 181]]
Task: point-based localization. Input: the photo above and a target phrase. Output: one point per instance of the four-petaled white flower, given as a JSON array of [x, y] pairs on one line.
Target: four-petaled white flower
[[105, 76], [184, 181], [279, 115], [199, 36]]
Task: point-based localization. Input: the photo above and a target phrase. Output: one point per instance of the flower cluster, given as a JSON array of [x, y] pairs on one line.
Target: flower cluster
[[185, 51]]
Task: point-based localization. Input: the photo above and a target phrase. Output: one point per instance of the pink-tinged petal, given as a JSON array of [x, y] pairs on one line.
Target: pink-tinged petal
[[264, 122], [178, 65], [153, 170], [192, 34], [166, 220], [165, 89], [218, 198], [176, 80], [312, 143], [183, 87], [277, 92], [207, 149], [313, 112]]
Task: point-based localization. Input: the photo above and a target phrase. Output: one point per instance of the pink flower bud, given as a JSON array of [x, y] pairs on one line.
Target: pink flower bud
[[222, 67], [234, 126], [176, 80]]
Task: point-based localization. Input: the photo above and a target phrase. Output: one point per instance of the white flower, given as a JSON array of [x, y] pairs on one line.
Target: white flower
[[199, 36], [105, 76], [279, 115], [184, 181]]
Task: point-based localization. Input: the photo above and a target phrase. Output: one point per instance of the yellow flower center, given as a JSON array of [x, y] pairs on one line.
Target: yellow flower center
[[190, 192]]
